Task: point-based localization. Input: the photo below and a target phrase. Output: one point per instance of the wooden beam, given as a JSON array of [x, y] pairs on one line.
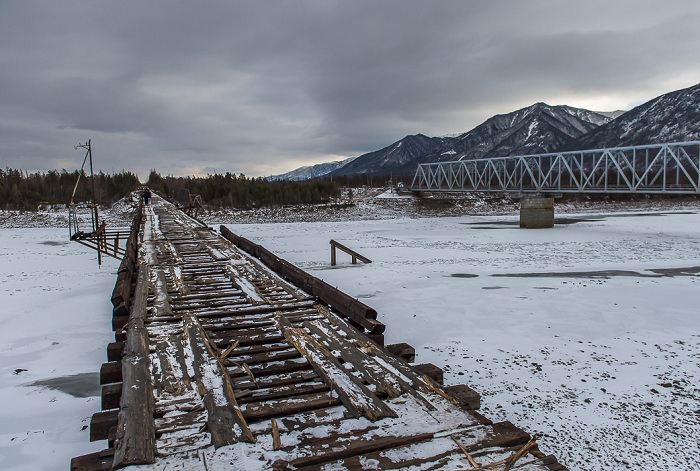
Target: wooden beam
[[135, 439]]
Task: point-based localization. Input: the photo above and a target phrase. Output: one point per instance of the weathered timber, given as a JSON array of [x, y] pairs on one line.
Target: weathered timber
[[355, 396], [376, 338], [446, 452], [271, 368], [355, 256], [418, 381], [169, 374], [360, 446], [341, 302], [259, 411], [135, 438], [118, 322], [431, 371], [97, 461], [111, 372], [276, 380], [403, 351], [111, 395], [162, 298], [225, 423], [282, 392], [263, 357], [101, 422], [121, 309], [465, 395], [372, 371], [115, 350]]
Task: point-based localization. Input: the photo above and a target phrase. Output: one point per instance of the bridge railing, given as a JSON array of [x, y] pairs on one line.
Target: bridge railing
[[672, 168]]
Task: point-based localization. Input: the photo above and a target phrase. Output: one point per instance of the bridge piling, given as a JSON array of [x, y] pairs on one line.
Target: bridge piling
[[536, 211]]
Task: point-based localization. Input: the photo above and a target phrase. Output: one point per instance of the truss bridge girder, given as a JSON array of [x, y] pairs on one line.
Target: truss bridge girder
[[672, 168]]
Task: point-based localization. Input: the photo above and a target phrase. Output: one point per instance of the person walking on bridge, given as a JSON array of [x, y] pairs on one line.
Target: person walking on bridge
[[146, 196]]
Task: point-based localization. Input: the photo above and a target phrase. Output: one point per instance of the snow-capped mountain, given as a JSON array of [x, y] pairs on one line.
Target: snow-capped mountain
[[673, 117], [537, 129], [540, 128], [399, 155], [312, 171]]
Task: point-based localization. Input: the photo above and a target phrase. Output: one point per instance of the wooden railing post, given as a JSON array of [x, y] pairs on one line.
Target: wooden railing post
[[355, 256]]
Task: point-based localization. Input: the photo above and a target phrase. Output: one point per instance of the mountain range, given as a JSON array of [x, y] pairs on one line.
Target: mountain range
[[537, 129]]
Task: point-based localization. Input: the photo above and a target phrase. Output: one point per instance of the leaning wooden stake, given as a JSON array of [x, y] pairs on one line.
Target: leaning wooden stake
[[135, 441]]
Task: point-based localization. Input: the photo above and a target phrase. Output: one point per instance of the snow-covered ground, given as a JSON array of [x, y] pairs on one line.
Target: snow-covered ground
[[55, 324], [565, 332]]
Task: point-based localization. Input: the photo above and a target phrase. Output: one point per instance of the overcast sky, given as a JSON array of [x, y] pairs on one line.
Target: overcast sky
[[262, 87]]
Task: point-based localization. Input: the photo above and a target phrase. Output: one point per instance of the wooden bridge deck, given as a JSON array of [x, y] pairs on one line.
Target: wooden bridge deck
[[220, 363]]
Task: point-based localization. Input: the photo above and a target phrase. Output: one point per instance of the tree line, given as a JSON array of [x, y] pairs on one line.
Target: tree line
[[26, 191], [241, 192]]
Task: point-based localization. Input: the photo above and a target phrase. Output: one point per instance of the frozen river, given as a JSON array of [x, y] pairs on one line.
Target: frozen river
[[587, 333]]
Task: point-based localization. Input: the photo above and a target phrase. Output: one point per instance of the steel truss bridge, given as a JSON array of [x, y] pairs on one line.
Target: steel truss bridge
[[651, 169]]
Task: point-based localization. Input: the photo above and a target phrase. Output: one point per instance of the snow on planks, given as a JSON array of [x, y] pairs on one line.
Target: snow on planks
[[246, 370]]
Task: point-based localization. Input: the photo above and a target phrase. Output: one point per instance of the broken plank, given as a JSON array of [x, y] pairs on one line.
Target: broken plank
[[226, 423], [355, 396]]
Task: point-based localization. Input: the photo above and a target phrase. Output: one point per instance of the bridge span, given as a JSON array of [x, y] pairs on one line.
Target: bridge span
[[671, 168]]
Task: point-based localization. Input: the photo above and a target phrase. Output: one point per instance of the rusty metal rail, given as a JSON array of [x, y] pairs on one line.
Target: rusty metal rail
[[235, 360]]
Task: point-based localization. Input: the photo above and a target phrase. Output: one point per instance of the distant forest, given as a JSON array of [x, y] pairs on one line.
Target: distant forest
[[241, 192], [26, 191]]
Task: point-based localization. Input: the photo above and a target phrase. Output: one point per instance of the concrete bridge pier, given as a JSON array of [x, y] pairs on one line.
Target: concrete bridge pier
[[536, 211]]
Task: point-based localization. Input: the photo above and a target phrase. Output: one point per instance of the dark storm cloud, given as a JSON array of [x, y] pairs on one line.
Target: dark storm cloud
[[262, 87]]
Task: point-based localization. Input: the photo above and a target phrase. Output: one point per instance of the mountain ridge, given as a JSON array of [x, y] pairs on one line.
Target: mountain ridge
[[536, 129]]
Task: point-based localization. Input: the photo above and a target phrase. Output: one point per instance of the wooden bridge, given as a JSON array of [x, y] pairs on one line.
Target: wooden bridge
[[228, 357]]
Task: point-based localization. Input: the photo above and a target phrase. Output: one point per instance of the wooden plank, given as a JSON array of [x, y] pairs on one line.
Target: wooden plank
[[225, 423], [281, 392], [355, 396], [169, 370], [271, 368], [97, 461], [324, 452], [135, 438], [266, 410], [431, 371], [372, 372]]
